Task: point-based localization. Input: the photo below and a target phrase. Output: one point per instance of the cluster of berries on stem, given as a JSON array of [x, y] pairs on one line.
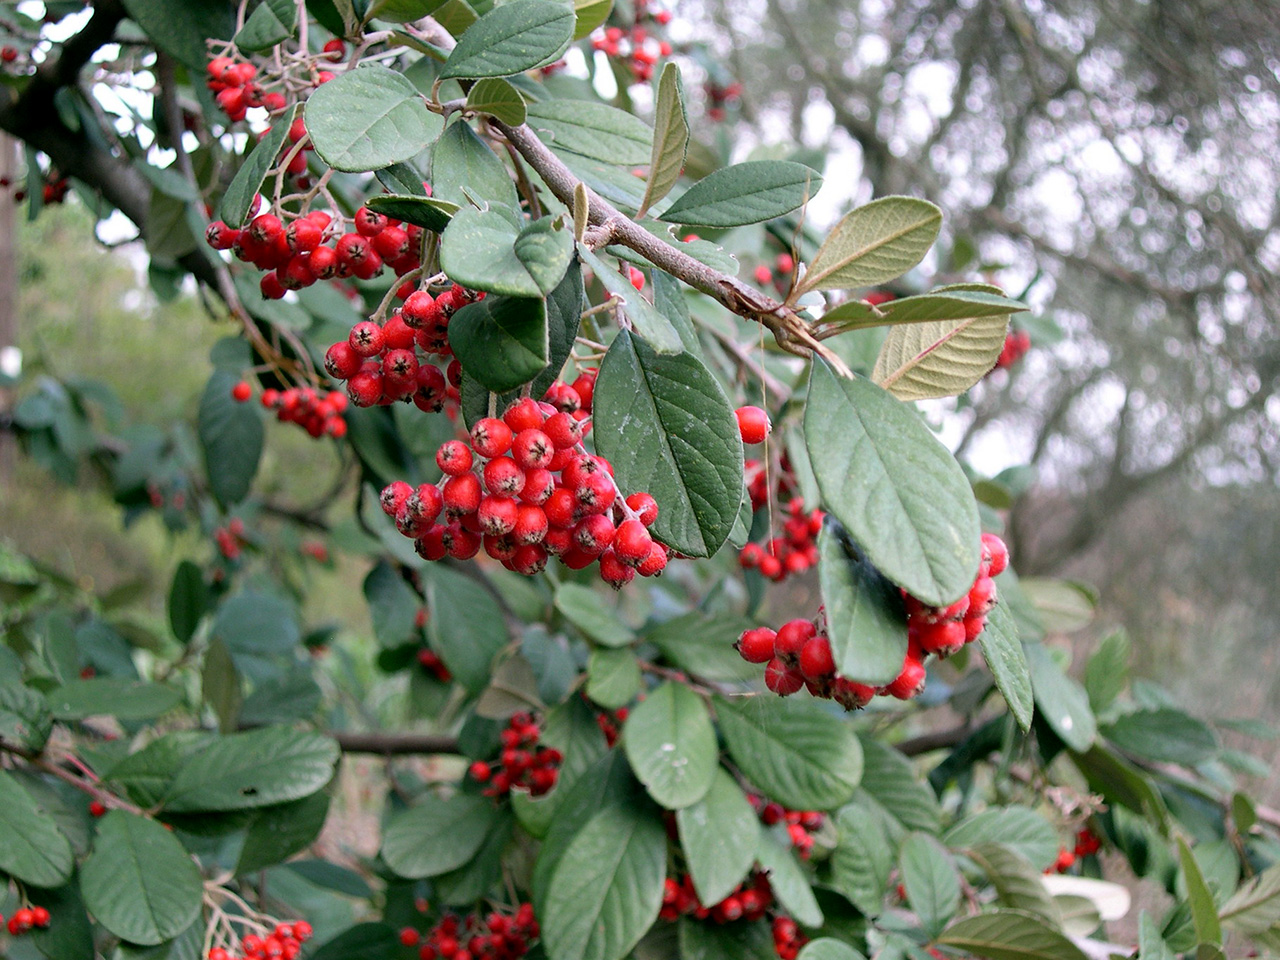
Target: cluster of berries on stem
[[236, 89], [795, 551], [496, 936], [27, 918], [521, 765], [320, 413], [748, 901], [523, 488], [1016, 345], [944, 630], [230, 539], [283, 942], [640, 50], [801, 824], [380, 362]]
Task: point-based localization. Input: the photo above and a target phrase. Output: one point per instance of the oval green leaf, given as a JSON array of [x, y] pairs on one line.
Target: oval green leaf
[[466, 628], [667, 427], [254, 769], [943, 358], [138, 882], [865, 623], [719, 835], [369, 118], [477, 250], [244, 186], [671, 745], [119, 696], [231, 437], [593, 130], [497, 98], [670, 138], [463, 167], [1019, 828], [1061, 701], [873, 244], [431, 213], [1010, 935], [512, 39], [896, 489], [501, 341], [795, 752], [1008, 663], [32, 848], [931, 881], [790, 884], [438, 835], [745, 193]]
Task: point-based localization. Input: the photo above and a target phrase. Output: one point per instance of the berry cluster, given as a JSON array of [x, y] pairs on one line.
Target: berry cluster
[[494, 937], [282, 943], [793, 552], [640, 50], [944, 630], [748, 901], [314, 246], [778, 275], [801, 824], [235, 88], [520, 765], [230, 539], [380, 364], [523, 488], [1087, 843], [320, 414], [429, 661], [798, 655], [610, 723], [787, 938], [719, 95], [1016, 345], [27, 918]]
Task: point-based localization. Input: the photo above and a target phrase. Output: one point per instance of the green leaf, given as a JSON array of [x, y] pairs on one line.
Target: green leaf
[[891, 780], [873, 244], [703, 646], [790, 884], [497, 98], [146, 774], [403, 11], [183, 30], [477, 249], [1204, 912], [896, 489], [25, 719], [514, 687], [32, 848], [586, 609], [1163, 734], [545, 247], [593, 130], [432, 213], [671, 745], [438, 835], [368, 118], [278, 832], [1120, 783], [794, 751], [188, 601], [1062, 606], [649, 322], [393, 606], [670, 138], [1151, 945], [1106, 673], [512, 39], [591, 14], [927, 307], [862, 861], [272, 22], [924, 361], [701, 940], [719, 835], [220, 685], [70, 933], [865, 623], [605, 889], [231, 436], [466, 626], [502, 341], [828, 948], [256, 627], [462, 164], [245, 185], [1019, 828], [667, 427], [254, 769], [1018, 884], [364, 941], [931, 881], [745, 193], [1010, 935], [1060, 700], [123, 698], [1255, 907], [138, 882], [1008, 663], [613, 677]]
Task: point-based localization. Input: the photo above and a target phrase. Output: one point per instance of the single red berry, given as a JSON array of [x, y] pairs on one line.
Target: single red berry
[[644, 504], [409, 936], [792, 636], [816, 660], [367, 339], [532, 448], [241, 392], [632, 542], [942, 639], [40, 917], [462, 495], [763, 275], [655, 563], [454, 457], [97, 808], [909, 682], [335, 48], [982, 597], [498, 515], [503, 476], [753, 424], [785, 263], [756, 645], [782, 679], [614, 572], [995, 554], [491, 437], [529, 559]]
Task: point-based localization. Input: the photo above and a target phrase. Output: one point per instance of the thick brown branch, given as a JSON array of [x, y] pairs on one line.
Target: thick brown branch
[[790, 331]]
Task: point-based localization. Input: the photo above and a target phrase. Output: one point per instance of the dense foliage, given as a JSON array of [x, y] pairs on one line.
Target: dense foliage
[[681, 623]]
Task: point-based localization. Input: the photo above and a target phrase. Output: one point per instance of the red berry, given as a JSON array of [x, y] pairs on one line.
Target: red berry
[[753, 424], [335, 48], [632, 542], [782, 679], [367, 338], [655, 563], [503, 476], [909, 682], [792, 636], [644, 504], [816, 661], [982, 597], [756, 645], [40, 917], [462, 494], [491, 437], [942, 639], [341, 361], [763, 275], [409, 936], [241, 392], [454, 457], [97, 808], [498, 515], [995, 554]]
